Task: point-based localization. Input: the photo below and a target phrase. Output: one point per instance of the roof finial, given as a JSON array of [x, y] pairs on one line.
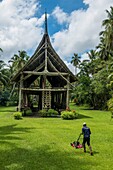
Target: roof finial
[[46, 31]]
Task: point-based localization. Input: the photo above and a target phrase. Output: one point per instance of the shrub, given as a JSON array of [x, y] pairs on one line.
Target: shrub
[[47, 113], [17, 115], [27, 112], [52, 112], [69, 115], [110, 104], [42, 112]]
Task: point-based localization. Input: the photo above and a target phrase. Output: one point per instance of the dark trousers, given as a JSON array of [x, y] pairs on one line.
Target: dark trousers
[[86, 140]]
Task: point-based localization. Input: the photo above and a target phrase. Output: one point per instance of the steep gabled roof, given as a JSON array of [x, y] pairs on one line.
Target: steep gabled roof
[[37, 62]]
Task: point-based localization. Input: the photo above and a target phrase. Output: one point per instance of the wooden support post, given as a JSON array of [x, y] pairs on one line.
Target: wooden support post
[[20, 93], [67, 96], [26, 99]]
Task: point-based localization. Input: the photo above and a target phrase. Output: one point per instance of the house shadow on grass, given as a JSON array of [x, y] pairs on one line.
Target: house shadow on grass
[[80, 116], [7, 133]]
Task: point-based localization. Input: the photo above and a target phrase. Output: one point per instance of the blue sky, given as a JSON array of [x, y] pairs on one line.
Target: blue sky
[[67, 5], [73, 26]]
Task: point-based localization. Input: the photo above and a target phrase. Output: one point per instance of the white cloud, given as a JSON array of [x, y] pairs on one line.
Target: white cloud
[[19, 29], [70, 66], [61, 16], [84, 57], [84, 26]]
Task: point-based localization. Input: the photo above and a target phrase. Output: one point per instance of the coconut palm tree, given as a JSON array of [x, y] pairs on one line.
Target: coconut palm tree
[[92, 54], [103, 52], [75, 61], [106, 37], [18, 61], [3, 73], [108, 33]]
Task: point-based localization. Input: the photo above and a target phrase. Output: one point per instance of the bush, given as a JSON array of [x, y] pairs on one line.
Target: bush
[[42, 112], [69, 115], [110, 104], [52, 112], [47, 113], [27, 112], [17, 115]]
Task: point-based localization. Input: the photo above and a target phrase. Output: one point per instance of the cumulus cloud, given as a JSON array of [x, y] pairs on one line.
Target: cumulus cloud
[[83, 29], [19, 29], [60, 15], [70, 66]]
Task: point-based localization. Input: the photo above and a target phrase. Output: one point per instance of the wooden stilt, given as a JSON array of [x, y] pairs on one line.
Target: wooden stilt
[[67, 97], [20, 94]]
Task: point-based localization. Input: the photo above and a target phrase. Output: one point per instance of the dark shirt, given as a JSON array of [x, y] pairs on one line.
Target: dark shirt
[[86, 132]]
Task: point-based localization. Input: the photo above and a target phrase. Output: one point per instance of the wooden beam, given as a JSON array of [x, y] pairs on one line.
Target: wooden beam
[[33, 57], [30, 89], [38, 68], [44, 73]]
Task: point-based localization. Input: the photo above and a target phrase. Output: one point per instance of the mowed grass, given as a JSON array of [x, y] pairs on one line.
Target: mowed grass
[[44, 143]]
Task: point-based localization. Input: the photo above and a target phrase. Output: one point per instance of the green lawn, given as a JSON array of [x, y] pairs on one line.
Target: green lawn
[[44, 143]]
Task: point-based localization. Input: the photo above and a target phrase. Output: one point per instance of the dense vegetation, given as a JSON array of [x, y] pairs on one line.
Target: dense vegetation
[[7, 71], [95, 78]]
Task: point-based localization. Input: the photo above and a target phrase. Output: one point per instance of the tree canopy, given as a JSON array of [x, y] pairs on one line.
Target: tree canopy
[[95, 81]]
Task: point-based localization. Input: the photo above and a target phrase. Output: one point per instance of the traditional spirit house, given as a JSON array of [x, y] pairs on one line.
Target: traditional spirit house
[[46, 77]]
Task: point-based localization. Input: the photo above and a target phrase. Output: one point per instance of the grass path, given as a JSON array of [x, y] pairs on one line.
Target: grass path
[[44, 143]]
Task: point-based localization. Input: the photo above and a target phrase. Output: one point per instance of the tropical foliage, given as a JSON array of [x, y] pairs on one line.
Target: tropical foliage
[[47, 113], [17, 115], [6, 72], [69, 115], [95, 78], [75, 61], [18, 61]]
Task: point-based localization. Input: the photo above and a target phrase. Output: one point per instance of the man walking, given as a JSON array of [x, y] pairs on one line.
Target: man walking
[[86, 137]]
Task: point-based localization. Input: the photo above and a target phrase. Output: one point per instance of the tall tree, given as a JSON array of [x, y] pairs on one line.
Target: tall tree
[[95, 78], [75, 61], [108, 33], [18, 61], [92, 54], [106, 37], [3, 73]]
